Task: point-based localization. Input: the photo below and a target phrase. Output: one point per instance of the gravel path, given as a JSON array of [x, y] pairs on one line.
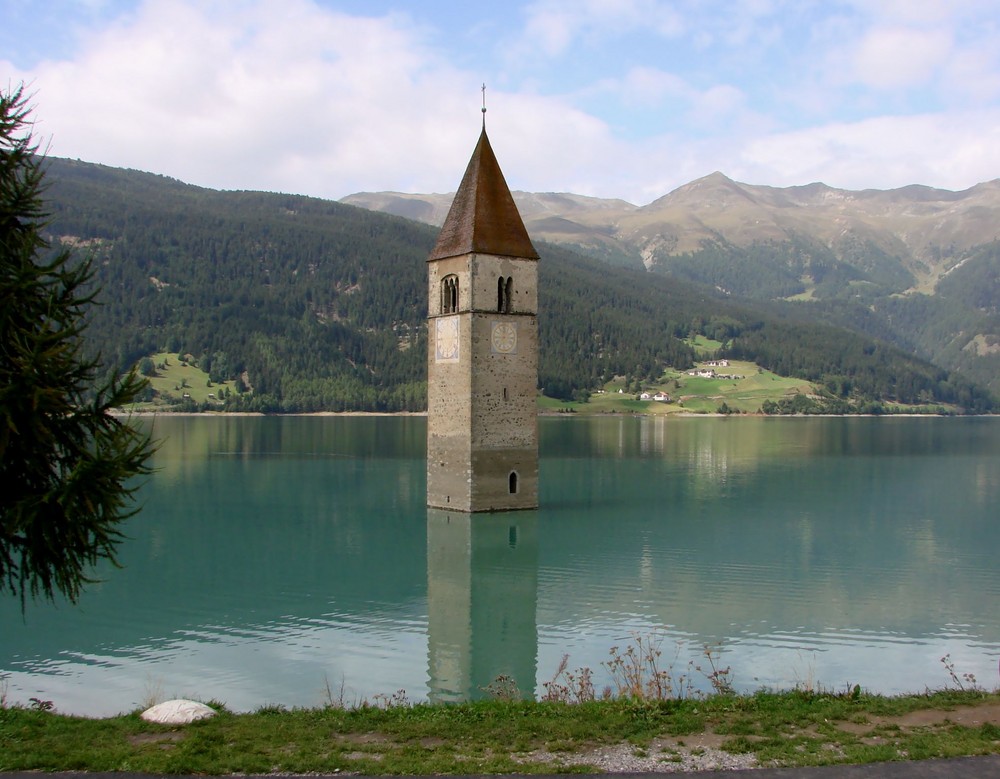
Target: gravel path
[[662, 756]]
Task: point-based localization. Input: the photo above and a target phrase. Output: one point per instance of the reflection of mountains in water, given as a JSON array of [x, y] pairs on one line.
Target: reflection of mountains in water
[[717, 528], [710, 525], [251, 524]]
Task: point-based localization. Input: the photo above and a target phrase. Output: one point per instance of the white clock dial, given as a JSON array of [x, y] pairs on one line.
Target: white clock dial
[[447, 339], [504, 337]]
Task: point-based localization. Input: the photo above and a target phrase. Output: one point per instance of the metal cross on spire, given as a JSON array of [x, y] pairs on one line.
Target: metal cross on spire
[[484, 105]]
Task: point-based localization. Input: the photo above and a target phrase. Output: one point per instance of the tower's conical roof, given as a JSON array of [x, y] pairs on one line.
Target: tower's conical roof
[[483, 217]]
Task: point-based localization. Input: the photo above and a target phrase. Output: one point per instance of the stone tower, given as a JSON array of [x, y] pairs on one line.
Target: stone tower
[[482, 361]]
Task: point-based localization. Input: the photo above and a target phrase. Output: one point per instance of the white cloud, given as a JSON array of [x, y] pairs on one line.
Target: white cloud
[[651, 89], [277, 95], [927, 49], [550, 30], [717, 105], [290, 95], [885, 152], [648, 86], [547, 145], [552, 27], [749, 23], [923, 12], [892, 58], [973, 73]]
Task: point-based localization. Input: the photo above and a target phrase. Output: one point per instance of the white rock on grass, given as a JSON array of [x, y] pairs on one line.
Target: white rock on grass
[[177, 712]]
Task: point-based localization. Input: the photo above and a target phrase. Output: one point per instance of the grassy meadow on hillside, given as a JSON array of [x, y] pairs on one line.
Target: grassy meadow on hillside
[[179, 382], [739, 386]]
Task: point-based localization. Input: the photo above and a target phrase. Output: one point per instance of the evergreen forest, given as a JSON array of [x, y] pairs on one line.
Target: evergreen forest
[[312, 305]]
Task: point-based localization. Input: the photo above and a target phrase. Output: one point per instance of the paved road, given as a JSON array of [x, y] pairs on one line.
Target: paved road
[[956, 768]]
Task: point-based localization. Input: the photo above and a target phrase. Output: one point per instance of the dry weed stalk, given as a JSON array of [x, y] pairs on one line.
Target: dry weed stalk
[[970, 682], [331, 700], [721, 679], [572, 686], [637, 672], [398, 698], [503, 688]]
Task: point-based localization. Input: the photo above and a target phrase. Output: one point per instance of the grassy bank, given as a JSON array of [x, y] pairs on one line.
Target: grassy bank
[[393, 737]]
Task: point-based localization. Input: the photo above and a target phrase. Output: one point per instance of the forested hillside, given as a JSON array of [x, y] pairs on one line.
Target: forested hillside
[[314, 305], [958, 327], [917, 266]]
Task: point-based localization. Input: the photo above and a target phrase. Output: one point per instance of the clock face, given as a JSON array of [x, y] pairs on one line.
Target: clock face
[[446, 341], [504, 337]]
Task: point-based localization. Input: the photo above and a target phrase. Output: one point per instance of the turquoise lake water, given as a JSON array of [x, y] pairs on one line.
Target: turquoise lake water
[[287, 560]]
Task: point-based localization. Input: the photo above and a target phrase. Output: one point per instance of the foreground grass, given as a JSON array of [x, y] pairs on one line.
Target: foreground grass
[[787, 729]]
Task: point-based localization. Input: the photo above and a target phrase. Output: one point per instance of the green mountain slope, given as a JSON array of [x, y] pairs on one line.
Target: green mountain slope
[[315, 305]]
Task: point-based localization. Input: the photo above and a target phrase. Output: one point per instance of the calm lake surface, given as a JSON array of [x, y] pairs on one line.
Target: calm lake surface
[[277, 557]]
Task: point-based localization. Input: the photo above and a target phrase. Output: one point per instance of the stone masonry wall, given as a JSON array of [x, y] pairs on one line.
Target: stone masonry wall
[[482, 413]]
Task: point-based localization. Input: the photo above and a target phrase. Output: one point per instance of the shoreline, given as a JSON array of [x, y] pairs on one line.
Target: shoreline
[[118, 412], [145, 413]]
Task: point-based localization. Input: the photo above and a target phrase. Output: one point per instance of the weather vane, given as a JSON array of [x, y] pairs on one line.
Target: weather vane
[[484, 105]]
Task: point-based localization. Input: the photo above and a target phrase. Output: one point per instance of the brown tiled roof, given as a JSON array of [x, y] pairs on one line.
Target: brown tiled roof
[[483, 217]]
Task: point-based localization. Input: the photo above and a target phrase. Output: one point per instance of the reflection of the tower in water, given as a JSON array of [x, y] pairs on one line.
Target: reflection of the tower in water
[[482, 591]]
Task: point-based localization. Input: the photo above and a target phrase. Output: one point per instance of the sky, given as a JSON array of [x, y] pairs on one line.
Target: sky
[[621, 99]]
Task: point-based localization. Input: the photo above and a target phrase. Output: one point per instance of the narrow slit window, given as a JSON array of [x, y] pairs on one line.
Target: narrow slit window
[[512, 482]]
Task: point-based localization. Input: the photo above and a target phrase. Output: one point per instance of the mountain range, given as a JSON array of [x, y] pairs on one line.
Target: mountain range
[[925, 231], [917, 266], [314, 305]]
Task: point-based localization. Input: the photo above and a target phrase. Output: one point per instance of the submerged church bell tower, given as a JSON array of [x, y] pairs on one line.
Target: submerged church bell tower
[[482, 362]]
